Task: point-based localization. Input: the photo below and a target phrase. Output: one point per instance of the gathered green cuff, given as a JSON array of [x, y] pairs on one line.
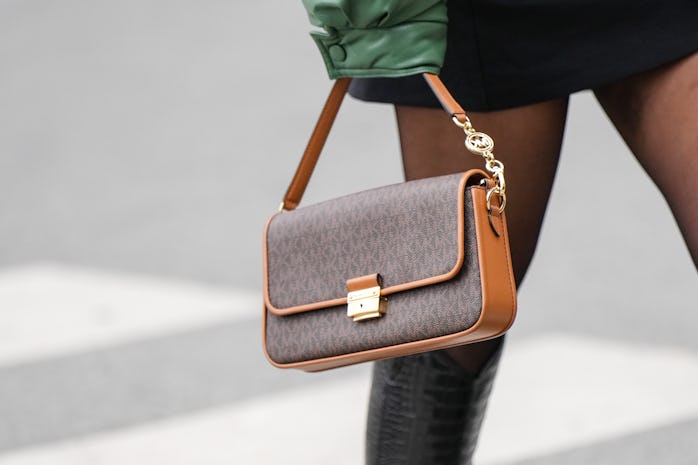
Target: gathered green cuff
[[379, 38], [397, 51]]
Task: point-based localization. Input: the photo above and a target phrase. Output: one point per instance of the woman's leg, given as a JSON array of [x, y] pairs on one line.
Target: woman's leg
[[656, 112], [427, 408], [527, 141]]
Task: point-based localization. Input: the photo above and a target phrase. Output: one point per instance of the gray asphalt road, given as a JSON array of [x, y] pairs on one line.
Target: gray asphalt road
[[156, 137]]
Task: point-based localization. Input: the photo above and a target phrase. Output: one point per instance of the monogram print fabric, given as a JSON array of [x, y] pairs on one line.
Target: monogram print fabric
[[409, 236], [405, 233]]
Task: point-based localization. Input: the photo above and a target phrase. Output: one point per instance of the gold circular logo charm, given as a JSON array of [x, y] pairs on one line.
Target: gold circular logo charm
[[479, 142]]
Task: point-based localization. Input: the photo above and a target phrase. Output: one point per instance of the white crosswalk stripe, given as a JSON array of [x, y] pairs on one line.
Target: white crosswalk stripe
[[50, 310]]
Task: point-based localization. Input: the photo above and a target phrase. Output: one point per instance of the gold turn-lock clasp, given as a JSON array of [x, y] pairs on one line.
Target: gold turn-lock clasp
[[364, 300]]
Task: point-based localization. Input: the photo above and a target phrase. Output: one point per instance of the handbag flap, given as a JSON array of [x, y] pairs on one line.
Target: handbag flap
[[411, 234]]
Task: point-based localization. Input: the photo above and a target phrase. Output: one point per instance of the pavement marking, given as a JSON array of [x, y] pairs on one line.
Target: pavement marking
[[49, 310], [673, 444], [131, 384], [554, 392], [319, 425]]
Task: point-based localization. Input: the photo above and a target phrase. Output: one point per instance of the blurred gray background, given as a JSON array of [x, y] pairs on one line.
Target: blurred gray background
[[153, 139]]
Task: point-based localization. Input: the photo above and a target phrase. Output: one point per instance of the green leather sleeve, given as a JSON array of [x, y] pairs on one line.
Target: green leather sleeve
[[379, 38]]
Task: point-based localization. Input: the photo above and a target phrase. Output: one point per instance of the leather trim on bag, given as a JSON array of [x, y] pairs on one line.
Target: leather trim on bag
[[387, 290], [496, 272], [363, 282], [315, 144], [444, 96], [498, 301]]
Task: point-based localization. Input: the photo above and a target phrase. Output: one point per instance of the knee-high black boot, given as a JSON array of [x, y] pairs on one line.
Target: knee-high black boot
[[425, 409]]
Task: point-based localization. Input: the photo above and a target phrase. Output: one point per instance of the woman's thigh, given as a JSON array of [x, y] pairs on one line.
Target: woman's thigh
[[527, 141], [656, 112]]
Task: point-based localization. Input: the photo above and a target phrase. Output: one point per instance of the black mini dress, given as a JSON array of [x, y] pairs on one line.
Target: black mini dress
[[507, 53]]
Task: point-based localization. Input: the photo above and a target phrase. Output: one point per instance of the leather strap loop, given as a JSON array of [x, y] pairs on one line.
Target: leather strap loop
[[445, 98], [300, 180]]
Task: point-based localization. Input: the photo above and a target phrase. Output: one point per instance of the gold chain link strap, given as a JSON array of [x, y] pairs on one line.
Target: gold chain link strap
[[481, 144]]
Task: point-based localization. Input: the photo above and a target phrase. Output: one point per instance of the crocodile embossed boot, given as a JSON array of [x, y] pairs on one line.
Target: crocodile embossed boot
[[425, 409]]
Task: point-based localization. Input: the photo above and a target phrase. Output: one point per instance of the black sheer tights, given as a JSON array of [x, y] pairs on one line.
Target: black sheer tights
[[427, 409], [656, 113], [527, 141]]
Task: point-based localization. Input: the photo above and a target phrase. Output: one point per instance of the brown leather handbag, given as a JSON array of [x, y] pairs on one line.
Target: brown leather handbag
[[406, 268]]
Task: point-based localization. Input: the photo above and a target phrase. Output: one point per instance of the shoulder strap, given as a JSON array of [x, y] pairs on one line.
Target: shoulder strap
[[324, 124]]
